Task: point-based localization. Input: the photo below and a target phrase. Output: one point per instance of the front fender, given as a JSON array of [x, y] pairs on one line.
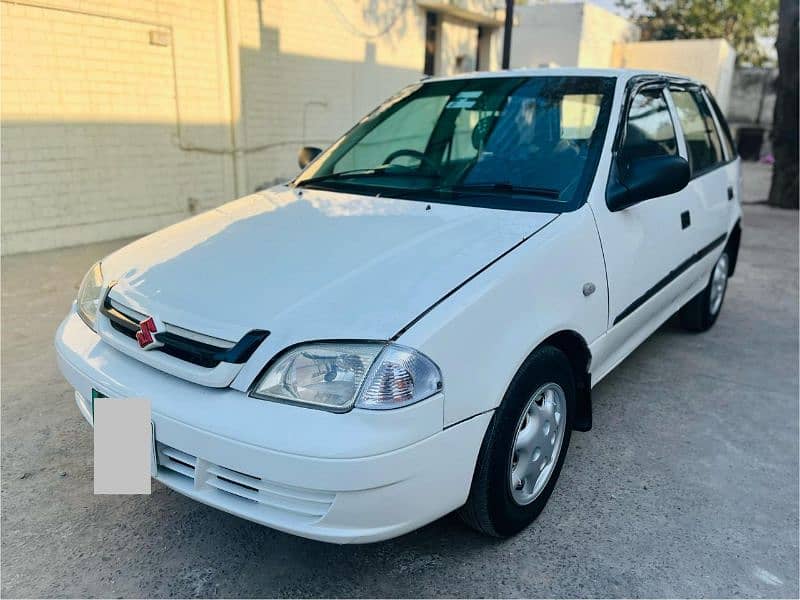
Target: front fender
[[481, 334]]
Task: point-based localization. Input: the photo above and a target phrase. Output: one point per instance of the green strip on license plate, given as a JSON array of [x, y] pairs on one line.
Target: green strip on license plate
[[96, 394]]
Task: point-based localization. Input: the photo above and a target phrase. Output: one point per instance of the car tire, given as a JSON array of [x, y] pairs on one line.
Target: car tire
[[542, 391], [701, 312]]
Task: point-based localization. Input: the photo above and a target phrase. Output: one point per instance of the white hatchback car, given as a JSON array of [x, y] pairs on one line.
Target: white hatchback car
[[414, 324]]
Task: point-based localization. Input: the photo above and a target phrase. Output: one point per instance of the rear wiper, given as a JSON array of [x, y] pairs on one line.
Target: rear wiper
[[504, 188]]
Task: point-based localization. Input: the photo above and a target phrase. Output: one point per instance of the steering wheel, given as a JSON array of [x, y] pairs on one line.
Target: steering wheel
[[420, 156]]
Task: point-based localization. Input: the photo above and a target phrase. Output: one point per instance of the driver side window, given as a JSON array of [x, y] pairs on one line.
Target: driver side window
[[649, 131]]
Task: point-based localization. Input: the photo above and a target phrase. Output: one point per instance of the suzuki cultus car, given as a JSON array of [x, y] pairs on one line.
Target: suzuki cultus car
[[414, 324]]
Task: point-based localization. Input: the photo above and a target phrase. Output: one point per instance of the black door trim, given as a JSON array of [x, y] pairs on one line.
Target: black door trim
[[671, 276]]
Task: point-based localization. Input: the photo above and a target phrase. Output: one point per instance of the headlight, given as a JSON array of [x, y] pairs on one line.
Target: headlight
[[337, 376], [89, 295]]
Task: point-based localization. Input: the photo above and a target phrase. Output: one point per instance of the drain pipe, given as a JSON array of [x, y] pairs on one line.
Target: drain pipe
[[233, 82]]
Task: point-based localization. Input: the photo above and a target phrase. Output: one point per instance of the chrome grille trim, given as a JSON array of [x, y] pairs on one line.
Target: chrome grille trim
[[126, 321], [186, 333]]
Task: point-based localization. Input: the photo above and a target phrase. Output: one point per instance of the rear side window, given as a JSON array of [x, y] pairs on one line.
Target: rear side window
[[649, 130], [702, 139], [727, 138]]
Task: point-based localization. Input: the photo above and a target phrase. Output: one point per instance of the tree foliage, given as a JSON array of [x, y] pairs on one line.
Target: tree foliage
[[740, 22], [786, 122]]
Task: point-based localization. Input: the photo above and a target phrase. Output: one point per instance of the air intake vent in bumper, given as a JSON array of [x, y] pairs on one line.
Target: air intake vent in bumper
[[254, 493]]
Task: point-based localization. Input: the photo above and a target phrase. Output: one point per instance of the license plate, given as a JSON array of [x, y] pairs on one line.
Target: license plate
[[153, 452]]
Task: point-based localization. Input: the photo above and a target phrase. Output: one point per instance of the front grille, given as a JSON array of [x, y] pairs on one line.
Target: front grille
[[188, 346], [241, 487]]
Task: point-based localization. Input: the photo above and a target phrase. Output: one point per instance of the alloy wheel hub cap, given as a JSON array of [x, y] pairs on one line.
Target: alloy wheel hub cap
[[537, 443], [719, 280]]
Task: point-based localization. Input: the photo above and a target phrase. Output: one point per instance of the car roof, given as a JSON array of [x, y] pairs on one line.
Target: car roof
[[623, 74]]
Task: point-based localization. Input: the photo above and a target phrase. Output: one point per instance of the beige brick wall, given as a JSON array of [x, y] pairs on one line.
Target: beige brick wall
[[90, 119], [107, 134]]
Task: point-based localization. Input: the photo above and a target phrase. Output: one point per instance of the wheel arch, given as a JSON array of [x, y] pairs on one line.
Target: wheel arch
[[574, 346]]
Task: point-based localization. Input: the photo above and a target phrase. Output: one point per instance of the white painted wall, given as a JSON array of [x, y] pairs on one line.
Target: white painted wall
[[567, 34], [547, 34], [602, 29]]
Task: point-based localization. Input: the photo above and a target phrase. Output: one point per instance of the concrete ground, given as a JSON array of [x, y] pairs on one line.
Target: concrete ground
[[687, 485]]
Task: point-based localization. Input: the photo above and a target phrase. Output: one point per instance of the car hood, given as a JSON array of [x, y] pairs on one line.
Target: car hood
[[311, 264]]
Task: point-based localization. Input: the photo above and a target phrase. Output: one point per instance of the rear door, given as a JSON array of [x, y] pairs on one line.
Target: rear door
[[710, 191], [732, 165]]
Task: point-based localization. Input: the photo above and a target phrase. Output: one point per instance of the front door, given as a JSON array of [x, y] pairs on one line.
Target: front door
[[645, 243]]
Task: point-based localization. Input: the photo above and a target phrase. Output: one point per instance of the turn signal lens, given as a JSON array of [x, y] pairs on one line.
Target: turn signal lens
[[401, 376]]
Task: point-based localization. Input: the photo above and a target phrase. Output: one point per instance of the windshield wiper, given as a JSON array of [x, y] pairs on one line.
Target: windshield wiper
[[331, 176], [382, 170], [504, 188]]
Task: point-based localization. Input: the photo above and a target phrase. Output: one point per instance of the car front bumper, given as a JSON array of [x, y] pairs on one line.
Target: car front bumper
[[354, 499]]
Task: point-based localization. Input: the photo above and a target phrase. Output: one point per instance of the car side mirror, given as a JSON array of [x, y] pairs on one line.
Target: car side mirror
[[639, 179], [306, 155]]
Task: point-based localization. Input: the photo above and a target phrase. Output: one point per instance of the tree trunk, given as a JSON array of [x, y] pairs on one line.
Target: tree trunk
[[784, 190]]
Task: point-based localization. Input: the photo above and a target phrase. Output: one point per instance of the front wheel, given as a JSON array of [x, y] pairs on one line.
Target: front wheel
[[702, 311], [524, 447]]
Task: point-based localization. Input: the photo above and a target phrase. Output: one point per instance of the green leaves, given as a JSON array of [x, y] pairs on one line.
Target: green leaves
[[740, 22]]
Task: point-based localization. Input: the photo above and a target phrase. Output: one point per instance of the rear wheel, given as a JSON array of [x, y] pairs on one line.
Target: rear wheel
[[524, 447], [702, 311]]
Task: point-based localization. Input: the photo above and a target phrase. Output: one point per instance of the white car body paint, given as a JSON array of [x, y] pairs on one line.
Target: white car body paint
[[475, 289], [509, 309]]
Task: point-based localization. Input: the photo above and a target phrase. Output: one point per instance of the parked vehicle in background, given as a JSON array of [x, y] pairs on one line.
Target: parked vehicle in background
[[414, 324]]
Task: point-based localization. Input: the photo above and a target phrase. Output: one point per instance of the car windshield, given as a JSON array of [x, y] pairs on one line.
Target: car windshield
[[522, 143]]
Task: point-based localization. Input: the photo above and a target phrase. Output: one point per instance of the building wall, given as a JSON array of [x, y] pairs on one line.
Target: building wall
[[309, 71], [121, 117], [459, 43], [601, 30], [709, 61], [752, 99], [568, 34], [547, 34], [94, 116]]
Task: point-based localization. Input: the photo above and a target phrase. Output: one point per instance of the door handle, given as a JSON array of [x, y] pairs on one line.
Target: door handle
[[730, 192], [686, 219]]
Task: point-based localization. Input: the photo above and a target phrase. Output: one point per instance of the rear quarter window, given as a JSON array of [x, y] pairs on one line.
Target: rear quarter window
[[727, 138]]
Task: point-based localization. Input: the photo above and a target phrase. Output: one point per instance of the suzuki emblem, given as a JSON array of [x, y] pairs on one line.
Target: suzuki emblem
[[146, 336]]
